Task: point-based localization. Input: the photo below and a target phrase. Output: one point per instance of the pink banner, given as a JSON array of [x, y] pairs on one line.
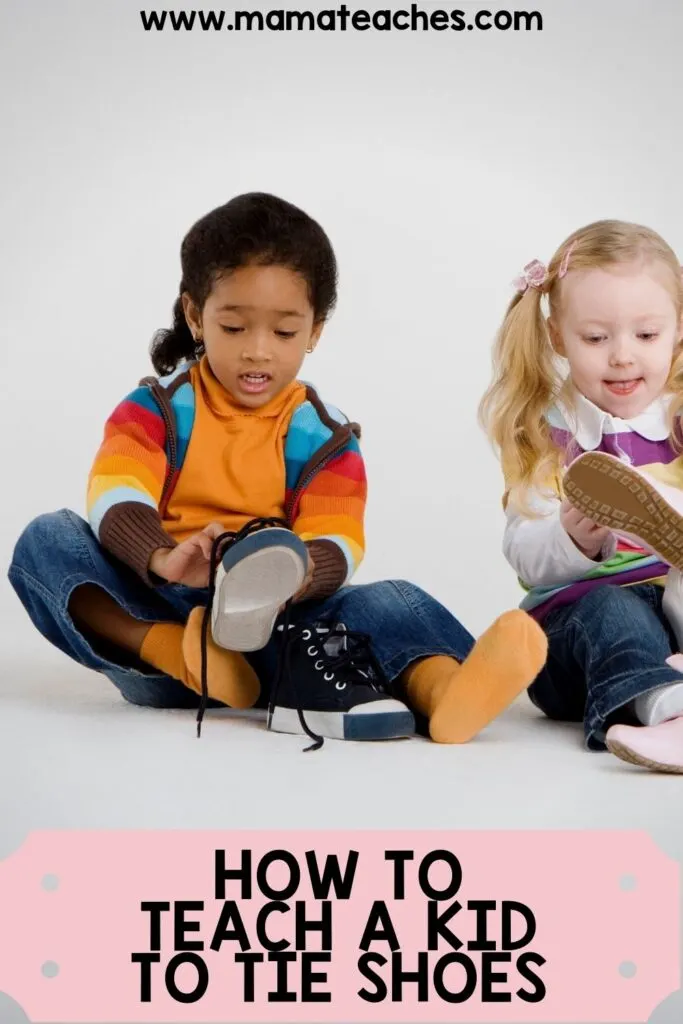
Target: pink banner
[[338, 926]]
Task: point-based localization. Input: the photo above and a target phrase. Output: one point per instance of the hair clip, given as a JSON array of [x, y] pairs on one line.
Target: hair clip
[[564, 265], [534, 275]]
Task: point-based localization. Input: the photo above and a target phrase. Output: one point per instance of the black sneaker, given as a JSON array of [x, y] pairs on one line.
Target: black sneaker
[[329, 683]]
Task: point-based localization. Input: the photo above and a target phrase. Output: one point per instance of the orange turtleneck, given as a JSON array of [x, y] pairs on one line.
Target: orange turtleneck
[[234, 469]]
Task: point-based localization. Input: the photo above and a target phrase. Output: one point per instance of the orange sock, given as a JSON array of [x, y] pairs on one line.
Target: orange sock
[[163, 648], [176, 650], [461, 699]]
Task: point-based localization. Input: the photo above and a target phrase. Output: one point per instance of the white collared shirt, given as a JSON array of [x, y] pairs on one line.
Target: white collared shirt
[[540, 550], [588, 424]]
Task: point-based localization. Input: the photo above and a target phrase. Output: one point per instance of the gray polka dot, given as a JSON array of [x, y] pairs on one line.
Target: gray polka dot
[[50, 883], [50, 969], [627, 969], [628, 883]]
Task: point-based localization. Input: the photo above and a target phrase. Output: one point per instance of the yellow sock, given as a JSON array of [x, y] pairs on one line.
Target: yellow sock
[[176, 650], [461, 699], [163, 648]]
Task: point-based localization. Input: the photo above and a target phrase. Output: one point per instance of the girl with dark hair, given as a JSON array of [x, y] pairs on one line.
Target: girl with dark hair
[[226, 507]]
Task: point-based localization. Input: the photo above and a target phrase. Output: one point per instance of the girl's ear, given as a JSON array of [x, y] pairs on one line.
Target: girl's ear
[[192, 315], [556, 339], [315, 336]]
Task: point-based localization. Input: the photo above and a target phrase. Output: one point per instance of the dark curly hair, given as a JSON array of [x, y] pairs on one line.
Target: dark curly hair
[[252, 229]]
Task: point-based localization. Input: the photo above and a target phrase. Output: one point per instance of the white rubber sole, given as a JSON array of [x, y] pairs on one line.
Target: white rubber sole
[[376, 720], [250, 595]]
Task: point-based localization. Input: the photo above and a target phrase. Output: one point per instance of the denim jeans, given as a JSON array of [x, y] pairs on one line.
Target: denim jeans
[[58, 552], [604, 650]]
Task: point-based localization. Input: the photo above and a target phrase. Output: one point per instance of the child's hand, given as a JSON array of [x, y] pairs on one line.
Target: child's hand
[[587, 535], [188, 563]]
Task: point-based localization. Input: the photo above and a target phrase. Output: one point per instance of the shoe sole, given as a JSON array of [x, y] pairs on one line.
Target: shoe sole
[[613, 495], [336, 725], [626, 754], [255, 579]]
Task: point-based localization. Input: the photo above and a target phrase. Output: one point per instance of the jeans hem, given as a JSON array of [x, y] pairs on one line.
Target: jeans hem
[[408, 593], [85, 656], [400, 662]]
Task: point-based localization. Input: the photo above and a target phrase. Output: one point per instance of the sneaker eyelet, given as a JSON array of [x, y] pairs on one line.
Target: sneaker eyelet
[[307, 634], [313, 651], [328, 677], [340, 686], [319, 665]]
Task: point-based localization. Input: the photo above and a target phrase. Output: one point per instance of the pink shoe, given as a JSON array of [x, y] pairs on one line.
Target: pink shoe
[[628, 501], [658, 747]]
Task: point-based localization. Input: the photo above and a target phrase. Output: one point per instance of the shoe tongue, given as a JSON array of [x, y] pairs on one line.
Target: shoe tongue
[[334, 645]]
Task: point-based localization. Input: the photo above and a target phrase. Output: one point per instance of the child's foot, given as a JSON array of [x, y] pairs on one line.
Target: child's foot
[[628, 501], [461, 699], [331, 685], [176, 650], [255, 578], [661, 703], [658, 747]]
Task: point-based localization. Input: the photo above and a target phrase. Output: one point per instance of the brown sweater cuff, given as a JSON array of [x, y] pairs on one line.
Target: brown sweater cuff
[[329, 570], [132, 532]]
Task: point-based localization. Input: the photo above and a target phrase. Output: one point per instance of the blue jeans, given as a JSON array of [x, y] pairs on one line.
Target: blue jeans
[[58, 552], [604, 650]]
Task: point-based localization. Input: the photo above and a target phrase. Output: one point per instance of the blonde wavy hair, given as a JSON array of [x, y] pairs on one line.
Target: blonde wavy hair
[[526, 373]]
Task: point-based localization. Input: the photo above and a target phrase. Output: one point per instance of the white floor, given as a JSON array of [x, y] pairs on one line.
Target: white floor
[[73, 755], [66, 737]]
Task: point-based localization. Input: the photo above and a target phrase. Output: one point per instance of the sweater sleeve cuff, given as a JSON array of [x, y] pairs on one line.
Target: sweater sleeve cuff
[[329, 570], [544, 555], [132, 532], [571, 557], [576, 557]]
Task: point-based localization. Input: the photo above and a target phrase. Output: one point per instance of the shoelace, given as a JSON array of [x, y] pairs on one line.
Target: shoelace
[[220, 545], [353, 660]]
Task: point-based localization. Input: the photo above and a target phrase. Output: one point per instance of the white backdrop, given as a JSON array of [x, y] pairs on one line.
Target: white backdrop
[[439, 163]]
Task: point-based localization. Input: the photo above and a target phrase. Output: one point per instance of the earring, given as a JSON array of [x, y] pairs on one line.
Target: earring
[[309, 349]]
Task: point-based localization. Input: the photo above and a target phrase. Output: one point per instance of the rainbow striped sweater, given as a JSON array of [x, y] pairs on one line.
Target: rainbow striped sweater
[[141, 457], [549, 566]]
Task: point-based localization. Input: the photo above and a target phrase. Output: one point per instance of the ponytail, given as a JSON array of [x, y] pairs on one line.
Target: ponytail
[[525, 383], [173, 345]]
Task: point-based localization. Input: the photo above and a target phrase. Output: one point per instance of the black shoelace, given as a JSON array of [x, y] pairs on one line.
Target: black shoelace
[[350, 665], [220, 545]]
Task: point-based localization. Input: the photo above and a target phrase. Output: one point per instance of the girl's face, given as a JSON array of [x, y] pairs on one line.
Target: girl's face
[[256, 325], [618, 329]]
